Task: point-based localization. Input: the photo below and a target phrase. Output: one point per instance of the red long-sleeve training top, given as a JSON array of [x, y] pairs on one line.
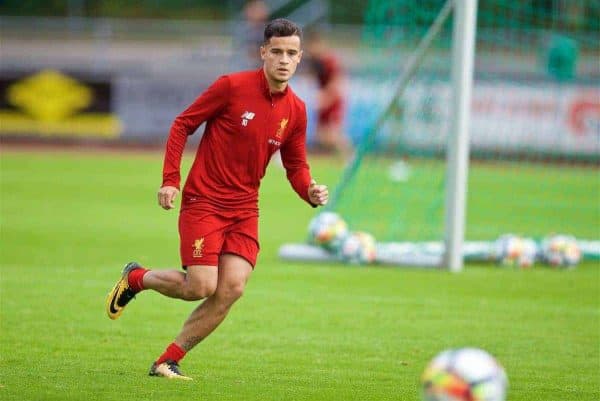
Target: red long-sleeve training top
[[245, 125]]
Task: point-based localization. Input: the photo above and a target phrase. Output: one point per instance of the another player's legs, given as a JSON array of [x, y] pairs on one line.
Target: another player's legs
[[331, 139], [233, 274]]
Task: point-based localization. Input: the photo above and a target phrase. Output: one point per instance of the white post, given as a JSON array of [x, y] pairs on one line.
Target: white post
[[463, 50]]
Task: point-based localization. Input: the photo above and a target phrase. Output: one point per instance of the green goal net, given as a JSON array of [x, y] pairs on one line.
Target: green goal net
[[534, 127]]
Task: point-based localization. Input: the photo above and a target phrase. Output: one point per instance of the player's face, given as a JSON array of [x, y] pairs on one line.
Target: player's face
[[281, 56]]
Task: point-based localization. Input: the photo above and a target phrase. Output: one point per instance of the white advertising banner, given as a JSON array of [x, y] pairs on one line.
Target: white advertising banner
[[556, 119], [506, 117]]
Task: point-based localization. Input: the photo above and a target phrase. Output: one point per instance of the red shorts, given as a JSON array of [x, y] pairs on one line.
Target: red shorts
[[334, 114], [205, 235]]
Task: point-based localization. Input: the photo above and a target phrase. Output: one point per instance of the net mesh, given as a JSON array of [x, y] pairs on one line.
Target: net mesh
[[535, 122]]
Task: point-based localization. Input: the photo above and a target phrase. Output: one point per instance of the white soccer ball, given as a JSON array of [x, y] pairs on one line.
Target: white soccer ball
[[359, 248], [464, 374], [512, 250], [327, 229], [561, 251], [399, 171]]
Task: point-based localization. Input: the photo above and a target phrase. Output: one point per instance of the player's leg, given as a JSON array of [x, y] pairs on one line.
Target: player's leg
[[234, 272], [237, 260], [201, 235], [198, 283], [201, 238], [172, 283], [334, 138], [330, 130]]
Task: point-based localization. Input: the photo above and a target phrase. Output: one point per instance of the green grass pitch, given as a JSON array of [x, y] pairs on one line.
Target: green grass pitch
[[301, 332]]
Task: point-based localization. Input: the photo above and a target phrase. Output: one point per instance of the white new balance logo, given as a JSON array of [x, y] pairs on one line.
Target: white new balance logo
[[248, 115]]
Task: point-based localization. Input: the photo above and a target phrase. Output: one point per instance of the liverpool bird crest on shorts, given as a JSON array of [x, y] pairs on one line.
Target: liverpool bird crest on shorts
[[282, 125], [198, 245]]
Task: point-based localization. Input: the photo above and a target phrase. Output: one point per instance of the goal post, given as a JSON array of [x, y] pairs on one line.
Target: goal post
[[463, 53]]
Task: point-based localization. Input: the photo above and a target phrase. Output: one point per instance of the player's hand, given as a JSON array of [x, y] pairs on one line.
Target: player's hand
[[318, 194], [166, 196]]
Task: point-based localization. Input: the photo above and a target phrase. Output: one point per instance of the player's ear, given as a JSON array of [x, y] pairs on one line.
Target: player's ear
[[263, 52], [300, 55]]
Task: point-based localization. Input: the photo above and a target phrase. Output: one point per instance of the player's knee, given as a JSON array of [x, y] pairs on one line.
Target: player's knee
[[199, 291], [231, 292]]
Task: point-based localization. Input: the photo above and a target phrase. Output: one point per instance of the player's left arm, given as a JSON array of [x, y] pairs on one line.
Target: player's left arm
[[318, 194], [293, 156]]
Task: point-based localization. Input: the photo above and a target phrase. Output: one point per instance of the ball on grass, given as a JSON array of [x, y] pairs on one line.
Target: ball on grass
[[515, 251], [464, 374], [359, 248], [327, 229], [561, 251]]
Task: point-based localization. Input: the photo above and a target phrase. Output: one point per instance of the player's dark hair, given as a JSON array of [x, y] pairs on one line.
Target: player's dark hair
[[282, 27]]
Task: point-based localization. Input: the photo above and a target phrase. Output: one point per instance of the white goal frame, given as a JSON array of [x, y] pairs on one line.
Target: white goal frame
[[463, 53]]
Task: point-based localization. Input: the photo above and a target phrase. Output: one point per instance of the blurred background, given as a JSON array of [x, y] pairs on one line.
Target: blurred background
[[121, 70], [117, 72]]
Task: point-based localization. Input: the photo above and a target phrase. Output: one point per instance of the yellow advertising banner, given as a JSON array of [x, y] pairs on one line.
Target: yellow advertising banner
[[50, 103]]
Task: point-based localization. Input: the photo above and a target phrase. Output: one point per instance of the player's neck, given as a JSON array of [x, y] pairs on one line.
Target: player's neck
[[275, 86]]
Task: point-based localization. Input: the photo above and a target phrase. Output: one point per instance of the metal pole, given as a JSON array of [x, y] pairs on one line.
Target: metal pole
[[463, 51]]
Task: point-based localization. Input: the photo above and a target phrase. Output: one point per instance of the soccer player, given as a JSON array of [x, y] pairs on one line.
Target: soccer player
[[249, 115], [248, 34], [330, 76]]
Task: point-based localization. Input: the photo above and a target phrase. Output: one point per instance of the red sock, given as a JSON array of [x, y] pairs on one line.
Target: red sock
[[174, 352], [135, 279]]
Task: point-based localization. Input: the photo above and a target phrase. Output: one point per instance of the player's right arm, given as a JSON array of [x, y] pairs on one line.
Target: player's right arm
[[205, 107]]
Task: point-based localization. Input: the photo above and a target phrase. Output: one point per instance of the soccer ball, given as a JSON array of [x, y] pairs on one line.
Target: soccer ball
[[359, 248], [512, 250], [464, 374], [327, 229], [561, 251]]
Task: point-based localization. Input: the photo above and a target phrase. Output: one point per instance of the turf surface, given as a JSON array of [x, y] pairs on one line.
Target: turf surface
[[301, 332], [530, 199]]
